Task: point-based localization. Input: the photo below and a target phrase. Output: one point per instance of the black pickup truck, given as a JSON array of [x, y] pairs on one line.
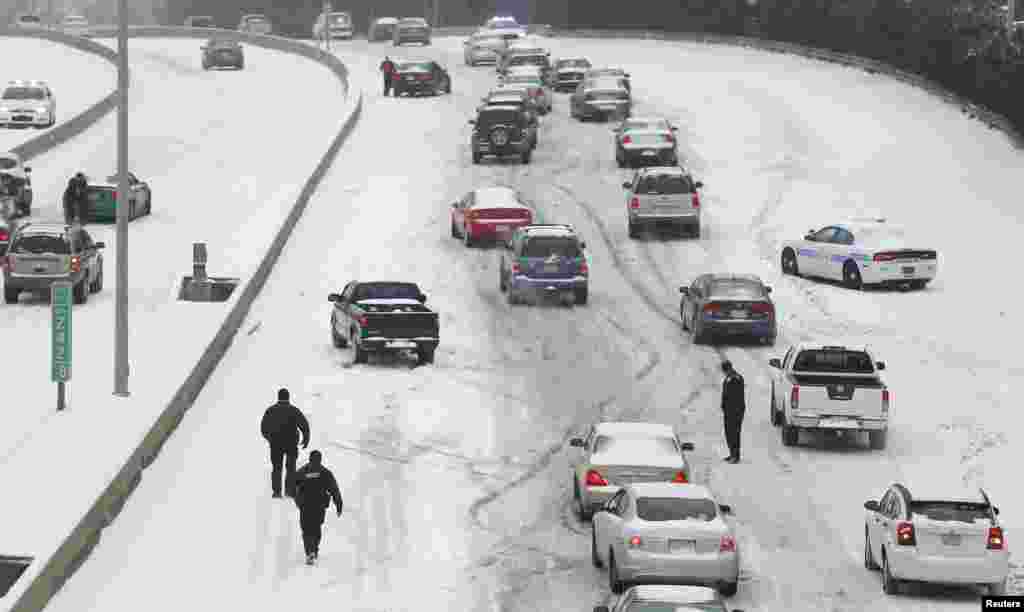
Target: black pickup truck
[[384, 316]]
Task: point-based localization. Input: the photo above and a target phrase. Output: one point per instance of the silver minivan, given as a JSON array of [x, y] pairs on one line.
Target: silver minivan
[[663, 196]]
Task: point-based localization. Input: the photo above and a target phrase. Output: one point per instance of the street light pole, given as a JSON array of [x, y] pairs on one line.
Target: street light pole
[[123, 210]]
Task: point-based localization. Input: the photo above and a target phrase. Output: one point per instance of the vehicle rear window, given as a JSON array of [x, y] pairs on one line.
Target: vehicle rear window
[[963, 512], [651, 606], [735, 289], [636, 443], [413, 67], [838, 361], [23, 93], [546, 246], [416, 22], [664, 184], [492, 117], [675, 509], [202, 22], [387, 291], [30, 19], [522, 60], [38, 244], [7, 163]]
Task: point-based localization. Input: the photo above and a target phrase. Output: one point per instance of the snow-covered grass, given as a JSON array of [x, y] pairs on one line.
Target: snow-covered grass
[[191, 131], [78, 79]]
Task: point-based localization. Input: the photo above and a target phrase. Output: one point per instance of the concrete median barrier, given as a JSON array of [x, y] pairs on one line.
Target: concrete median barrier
[[36, 588]]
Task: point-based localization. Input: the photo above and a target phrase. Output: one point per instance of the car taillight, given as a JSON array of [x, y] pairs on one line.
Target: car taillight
[[76, 263], [680, 478], [695, 200], [905, 534], [627, 140], [712, 309], [582, 268], [794, 398], [635, 542], [885, 401], [362, 320], [995, 539], [727, 544], [471, 215], [762, 308], [4, 236], [595, 479], [516, 269], [884, 256], [634, 203]]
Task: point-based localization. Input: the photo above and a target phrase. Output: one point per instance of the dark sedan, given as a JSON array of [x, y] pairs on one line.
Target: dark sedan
[[730, 305], [421, 77], [221, 53]]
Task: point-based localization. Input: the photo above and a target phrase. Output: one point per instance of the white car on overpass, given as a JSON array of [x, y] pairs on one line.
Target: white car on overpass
[[861, 253]]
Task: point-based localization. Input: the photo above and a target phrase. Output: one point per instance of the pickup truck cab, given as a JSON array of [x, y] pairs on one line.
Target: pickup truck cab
[[381, 317], [829, 388]]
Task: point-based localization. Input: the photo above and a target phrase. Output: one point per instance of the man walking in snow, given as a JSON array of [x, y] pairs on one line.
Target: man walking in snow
[[281, 425], [387, 68], [74, 199], [733, 407], [315, 487]]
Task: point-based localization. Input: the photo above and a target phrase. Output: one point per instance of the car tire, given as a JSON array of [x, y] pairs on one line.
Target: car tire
[[477, 157], [789, 263], [425, 355], [614, 582], [594, 559], [620, 161], [918, 285], [773, 413], [361, 355], [97, 285], [851, 276], [997, 589], [502, 287], [11, 295], [632, 229], [81, 292], [790, 435], [448, 87], [869, 559], [877, 439], [696, 231], [513, 299], [240, 66], [149, 203], [525, 157], [455, 231], [728, 589], [581, 296], [467, 239], [890, 584], [584, 514]]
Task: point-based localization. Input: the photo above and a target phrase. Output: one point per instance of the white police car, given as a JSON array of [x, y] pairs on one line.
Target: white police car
[[27, 103]]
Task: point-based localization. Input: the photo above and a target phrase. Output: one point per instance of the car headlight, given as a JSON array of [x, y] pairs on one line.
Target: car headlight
[[4, 109], [42, 109]]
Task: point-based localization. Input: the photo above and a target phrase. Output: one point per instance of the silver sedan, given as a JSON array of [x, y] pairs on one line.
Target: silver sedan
[[666, 533], [484, 48], [614, 454]]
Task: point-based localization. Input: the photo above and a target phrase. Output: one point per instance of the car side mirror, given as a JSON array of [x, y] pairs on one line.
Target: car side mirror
[[601, 609], [576, 442], [725, 508], [871, 505], [880, 365], [333, 297], [809, 237], [687, 446], [767, 289], [775, 362], [421, 298], [101, 245], [627, 185], [699, 185]]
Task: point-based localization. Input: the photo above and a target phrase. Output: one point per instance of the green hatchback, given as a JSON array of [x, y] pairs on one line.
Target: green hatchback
[[102, 200]]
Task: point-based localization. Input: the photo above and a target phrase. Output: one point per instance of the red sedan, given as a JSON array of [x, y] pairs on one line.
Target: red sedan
[[489, 213]]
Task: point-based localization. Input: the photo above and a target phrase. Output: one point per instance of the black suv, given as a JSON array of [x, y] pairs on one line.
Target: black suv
[[501, 131], [41, 253]]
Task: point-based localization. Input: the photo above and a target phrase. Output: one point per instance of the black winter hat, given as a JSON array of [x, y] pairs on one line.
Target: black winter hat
[[315, 457], [283, 395], [726, 366]]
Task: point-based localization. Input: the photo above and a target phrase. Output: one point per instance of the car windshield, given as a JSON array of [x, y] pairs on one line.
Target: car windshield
[[640, 124], [962, 512], [574, 63], [6, 163], [732, 288], [527, 60], [38, 244], [413, 67], [546, 246], [834, 360], [29, 19], [387, 291], [24, 93], [664, 184], [675, 509], [638, 444], [651, 606]]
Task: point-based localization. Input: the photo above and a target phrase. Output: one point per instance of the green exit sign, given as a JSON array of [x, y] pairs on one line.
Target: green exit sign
[[60, 326]]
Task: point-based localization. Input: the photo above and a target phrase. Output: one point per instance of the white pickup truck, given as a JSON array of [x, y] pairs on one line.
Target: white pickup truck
[[831, 388]]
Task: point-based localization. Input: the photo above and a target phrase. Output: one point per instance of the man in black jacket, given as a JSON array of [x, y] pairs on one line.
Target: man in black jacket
[[74, 199], [315, 487], [281, 425], [733, 406]]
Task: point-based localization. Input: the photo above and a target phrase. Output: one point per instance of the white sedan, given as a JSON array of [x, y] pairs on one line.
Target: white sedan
[[668, 533], [859, 254], [28, 103]]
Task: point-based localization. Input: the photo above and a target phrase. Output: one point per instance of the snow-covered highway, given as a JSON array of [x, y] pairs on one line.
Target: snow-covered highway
[[456, 476]]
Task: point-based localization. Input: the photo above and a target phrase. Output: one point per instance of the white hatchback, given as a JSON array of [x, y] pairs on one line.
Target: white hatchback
[[27, 103], [950, 536]]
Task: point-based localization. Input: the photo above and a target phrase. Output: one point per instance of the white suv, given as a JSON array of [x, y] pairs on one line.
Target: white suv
[[948, 536], [27, 103], [663, 195]]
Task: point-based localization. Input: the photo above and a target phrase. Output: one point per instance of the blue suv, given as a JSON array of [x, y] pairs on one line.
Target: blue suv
[[544, 261]]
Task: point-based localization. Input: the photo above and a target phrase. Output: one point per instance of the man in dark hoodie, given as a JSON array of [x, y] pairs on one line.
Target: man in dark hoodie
[[734, 404], [74, 199], [281, 425], [315, 487]]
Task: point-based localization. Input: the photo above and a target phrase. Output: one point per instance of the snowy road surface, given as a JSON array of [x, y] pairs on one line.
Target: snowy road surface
[[456, 476], [192, 132], [78, 79]]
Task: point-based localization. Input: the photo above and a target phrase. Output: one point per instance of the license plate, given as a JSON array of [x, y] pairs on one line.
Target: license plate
[[681, 546], [951, 539], [908, 269], [551, 268], [650, 152], [839, 424], [502, 229], [739, 314]]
